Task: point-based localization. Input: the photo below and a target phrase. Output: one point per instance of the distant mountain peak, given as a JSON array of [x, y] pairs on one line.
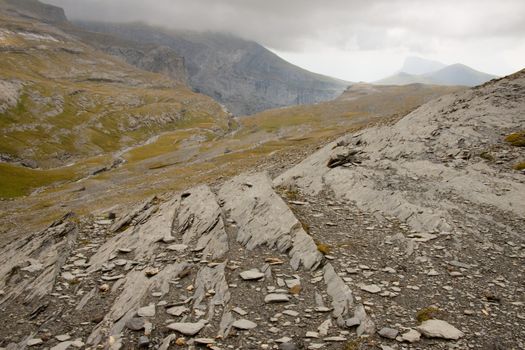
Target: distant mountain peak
[[416, 65], [435, 73]]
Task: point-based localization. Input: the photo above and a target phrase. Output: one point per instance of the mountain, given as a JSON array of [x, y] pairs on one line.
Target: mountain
[[403, 78], [455, 74], [459, 74], [68, 109], [243, 75], [418, 66], [146, 56]]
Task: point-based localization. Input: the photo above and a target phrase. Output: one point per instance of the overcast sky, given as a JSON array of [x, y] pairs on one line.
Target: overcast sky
[[349, 39]]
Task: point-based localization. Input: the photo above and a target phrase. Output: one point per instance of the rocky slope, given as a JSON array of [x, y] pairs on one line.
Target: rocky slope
[[64, 102], [398, 236], [242, 75], [149, 57]]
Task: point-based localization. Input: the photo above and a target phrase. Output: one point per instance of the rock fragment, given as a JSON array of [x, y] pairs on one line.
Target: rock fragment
[[135, 324], [411, 336], [370, 288], [251, 275], [244, 324], [324, 327], [151, 271], [177, 310], [143, 342], [63, 337], [388, 333], [187, 328], [276, 298], [239, 311], [147, 311], [179, 248], [439, 329], [34, 342]]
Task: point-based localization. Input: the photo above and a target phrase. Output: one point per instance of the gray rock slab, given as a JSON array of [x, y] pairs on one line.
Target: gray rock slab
[[251, 275], [388, 333], [276, 298], [244, 324], [147, 311], [187, 328], [439, 329]]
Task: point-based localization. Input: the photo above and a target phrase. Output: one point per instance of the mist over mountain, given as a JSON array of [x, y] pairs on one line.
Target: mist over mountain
[[422, 71], [241, 74], [417, 65], [459, 74]]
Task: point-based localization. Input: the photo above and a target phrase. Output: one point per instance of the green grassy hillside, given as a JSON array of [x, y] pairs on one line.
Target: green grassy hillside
[[62, 102]]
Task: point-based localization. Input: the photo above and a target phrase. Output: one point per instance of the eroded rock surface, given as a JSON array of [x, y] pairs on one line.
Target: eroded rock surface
[[431, 163], [395, 237]]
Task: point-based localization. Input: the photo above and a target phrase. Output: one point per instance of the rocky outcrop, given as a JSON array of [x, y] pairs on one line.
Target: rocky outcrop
[[180, 258], [161, 60], [242, 75], [37, 10], [149, 57], [431, 163], [9, 94]]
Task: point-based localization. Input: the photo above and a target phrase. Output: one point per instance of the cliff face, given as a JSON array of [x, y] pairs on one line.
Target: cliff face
[[243, 75], [161, 60], [149, 57], [35, 9]]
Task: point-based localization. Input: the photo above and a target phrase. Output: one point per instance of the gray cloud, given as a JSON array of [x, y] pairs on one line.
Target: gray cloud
[[469, 31], [286, 25]]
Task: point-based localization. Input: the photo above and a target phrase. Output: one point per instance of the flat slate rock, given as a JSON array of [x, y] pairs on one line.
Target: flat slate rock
[[439, 329], [147, 311], [187, 328], [411, 336], [33, 342], [251, 275], [179, 248], [389, 333], [244, 324], [370, 288], [276, 298], [135, 324], [177, 310]]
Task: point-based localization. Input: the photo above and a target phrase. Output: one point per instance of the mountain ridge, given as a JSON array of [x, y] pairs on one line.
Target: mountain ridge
[[454, 74], [241, 74]]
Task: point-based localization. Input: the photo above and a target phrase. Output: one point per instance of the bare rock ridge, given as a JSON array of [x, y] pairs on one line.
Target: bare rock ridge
[[179, 258], [429, 165]]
